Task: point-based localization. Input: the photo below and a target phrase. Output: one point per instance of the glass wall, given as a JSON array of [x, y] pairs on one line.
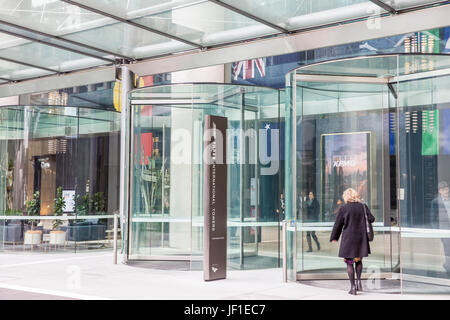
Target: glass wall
[[167, 172], [423, 173], [59, 177], [377, 124]]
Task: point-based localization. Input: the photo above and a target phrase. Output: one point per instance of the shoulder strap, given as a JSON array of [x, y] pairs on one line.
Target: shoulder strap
[[365, 215]]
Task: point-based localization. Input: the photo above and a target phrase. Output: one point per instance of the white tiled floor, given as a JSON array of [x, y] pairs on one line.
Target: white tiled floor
[[94, 276]]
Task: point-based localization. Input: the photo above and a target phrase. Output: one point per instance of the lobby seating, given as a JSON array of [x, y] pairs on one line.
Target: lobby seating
[[85, 232], [11, 233]]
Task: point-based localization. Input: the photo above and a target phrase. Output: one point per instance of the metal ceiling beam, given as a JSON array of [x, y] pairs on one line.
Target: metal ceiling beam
[[55, 82], [82, 45], [18, 35], [384, 6], [249, 15], [132, 23], [28, 65]]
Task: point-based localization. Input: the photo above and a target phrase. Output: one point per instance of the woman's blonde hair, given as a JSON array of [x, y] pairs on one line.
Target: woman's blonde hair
[[351, 195]]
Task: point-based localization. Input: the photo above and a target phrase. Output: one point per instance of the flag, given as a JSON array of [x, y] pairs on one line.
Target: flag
[[430, 132], [446, 39], [249, 68]]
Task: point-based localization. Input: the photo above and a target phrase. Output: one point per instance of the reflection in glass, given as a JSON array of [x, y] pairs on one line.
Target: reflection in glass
[[58, 176], [379, 125], [167, 173]]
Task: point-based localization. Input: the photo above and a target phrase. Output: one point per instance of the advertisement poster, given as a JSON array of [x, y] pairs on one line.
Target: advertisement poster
[[345, 164], [69, 198]]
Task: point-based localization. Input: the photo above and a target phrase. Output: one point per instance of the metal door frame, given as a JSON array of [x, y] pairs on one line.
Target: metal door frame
[[160, 99], [332, 274]]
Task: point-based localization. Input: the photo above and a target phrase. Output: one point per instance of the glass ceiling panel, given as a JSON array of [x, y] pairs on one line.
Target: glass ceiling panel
[[51, 16], [207, 24], [295, 15], [24, 36], [137, 8], [14, 71], [49, 57], [71, 22], [129, 41], [201, 22], [406, 4]]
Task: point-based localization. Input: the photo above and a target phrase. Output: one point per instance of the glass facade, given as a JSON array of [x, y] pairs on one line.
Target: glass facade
[[59, 177], [377, 124], [166, 214]]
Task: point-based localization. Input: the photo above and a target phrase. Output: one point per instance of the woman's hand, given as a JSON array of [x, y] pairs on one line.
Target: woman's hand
[[333, 241]]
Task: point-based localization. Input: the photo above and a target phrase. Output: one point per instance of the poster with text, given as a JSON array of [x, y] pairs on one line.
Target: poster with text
[[69, 198], [345, 164]]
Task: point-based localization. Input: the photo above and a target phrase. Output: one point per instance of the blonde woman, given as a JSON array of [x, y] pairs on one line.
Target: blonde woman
[[351, 222]]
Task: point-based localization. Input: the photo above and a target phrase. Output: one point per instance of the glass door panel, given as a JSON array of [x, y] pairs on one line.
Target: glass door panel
[[424, 176], [341, 142], [4, 181], [167, 173], [159, 226]]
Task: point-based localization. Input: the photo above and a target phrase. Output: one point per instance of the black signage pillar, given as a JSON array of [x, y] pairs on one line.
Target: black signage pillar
[[215, 199]]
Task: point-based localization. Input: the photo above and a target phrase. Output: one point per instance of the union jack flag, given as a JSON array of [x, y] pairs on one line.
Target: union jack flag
[[248, 68]]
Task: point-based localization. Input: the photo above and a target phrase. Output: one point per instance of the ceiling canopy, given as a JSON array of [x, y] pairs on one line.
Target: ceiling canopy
[[45, 37]]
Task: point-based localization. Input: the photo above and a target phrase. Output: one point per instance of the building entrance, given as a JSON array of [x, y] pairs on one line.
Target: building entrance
[[378, 125], [167, 187]]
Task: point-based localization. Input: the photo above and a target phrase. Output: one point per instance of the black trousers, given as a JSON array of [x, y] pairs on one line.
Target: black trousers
[[446, 245], [312, 234]]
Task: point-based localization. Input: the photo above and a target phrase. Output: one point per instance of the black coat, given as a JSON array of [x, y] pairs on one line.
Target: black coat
[[312, 210], [350, 221]]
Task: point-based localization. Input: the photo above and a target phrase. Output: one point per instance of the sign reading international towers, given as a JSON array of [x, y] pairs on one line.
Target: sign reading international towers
[[215, 199]]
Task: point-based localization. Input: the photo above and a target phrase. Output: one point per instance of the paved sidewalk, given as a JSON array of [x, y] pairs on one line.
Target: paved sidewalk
[[93, 276], [8, 294]]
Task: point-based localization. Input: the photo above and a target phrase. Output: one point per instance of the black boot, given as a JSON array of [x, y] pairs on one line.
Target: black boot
[[359, 285], [353, 290], [308, 240], [351, 277], [316, 240], [358, 269]]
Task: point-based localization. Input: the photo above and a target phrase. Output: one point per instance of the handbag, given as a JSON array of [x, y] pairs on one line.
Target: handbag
[[369, 227]]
